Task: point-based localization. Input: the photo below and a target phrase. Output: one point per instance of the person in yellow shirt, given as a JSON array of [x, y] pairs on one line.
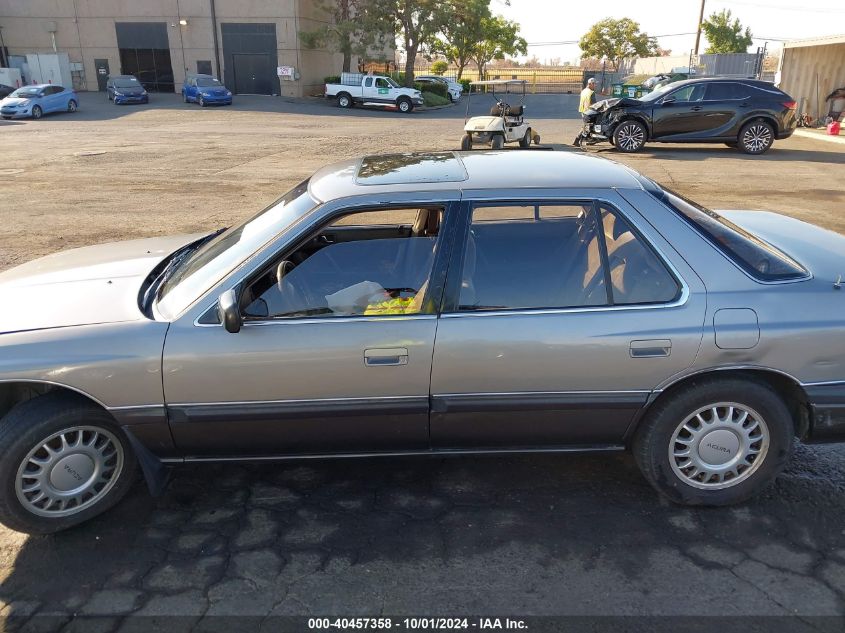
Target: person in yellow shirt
[[588, 96]]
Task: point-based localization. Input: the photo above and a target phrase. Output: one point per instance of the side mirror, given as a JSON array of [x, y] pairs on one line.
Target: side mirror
[[229, 311]]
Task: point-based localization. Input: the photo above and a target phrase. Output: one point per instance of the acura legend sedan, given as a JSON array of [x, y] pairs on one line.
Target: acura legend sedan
[[431, 304]]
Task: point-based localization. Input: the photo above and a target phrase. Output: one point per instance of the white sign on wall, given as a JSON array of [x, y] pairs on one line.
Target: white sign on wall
[[286, 72]]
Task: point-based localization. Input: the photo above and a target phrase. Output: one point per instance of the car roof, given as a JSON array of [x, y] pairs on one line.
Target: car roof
[[700, 80], [41, 86], [446, 171]]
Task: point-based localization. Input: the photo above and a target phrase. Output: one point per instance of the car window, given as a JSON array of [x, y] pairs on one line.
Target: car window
[[693, 92], [534, 256], [719, 91], [381, 83], [374, 263], [218, 257], [759, 259], [637, 275], [368, 82]]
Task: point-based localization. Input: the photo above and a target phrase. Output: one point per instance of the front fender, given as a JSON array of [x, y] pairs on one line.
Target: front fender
[[485, 124]]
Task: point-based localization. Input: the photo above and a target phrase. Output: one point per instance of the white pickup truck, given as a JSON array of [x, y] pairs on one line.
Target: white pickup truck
[[373, 90]]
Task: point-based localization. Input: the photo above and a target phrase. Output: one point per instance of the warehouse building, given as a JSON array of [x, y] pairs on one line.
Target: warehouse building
[[812, 69], [247, 43]]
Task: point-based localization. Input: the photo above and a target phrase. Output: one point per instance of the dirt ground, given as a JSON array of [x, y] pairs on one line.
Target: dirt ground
[[111, 172]]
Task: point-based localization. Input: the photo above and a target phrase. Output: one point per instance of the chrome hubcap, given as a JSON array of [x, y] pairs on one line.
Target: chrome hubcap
[[719, 446], [403, 106], [70, 471], [630, 136], [757, 138]]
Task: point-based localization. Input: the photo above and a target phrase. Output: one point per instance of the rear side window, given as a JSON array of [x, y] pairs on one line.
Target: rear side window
[[722, 91], [759, 259]]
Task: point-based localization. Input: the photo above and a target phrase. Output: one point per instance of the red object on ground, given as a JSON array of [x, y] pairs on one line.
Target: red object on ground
[[833, 128]]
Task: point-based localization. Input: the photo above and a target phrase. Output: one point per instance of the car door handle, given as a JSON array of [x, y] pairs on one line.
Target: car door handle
[[695, 108], [652, 348], [385, 357]]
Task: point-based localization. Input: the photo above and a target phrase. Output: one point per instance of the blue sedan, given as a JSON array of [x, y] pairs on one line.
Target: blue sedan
[[205, 90], [36, 101]]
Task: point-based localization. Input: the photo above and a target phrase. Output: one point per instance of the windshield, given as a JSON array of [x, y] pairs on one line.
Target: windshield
[[126, 83], [221, 255], [26, 92], [207, 82], [392, 82], [656, 93]]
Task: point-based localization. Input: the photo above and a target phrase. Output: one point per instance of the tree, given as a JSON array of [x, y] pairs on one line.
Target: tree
[[461, 33], [724, 35], [616, 40], [439, 67], [414, 22], [344, 31], [500, 37]]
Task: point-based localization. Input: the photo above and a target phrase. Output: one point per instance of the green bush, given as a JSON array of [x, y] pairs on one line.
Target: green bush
[[332, 79], [439, 67], [430, 99], [465, 83], [435, 87]]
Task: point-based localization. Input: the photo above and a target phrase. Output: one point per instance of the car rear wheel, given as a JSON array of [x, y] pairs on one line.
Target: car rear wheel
[[72, 106], [756, 137], [716, 442], [466, 142], [629, 136], [37, 112], [344, 100], [497, 142], [405, 105], [63, 460]]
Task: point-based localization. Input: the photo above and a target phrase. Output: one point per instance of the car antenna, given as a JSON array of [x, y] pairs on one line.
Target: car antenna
[[837, 285]]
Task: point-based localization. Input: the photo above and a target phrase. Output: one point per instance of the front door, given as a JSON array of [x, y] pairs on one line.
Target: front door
[[102, 66], [335, 352], [560, 319], [679, 112]]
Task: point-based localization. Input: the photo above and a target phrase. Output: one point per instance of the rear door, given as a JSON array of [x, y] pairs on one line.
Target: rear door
[[561, 317], [724, 106], [54, 98]]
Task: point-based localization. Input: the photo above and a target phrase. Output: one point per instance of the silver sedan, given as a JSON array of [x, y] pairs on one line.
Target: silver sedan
[[427, 304]]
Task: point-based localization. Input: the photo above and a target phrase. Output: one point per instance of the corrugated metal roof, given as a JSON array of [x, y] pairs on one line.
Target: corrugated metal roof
[[816, 41]]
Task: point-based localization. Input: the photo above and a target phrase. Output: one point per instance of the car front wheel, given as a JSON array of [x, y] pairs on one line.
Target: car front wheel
[[756, 137], [405, 105], [629, 136], [37, 112], [715, 442], [63, 461], [498, 141], [466, 142], [201, 101]]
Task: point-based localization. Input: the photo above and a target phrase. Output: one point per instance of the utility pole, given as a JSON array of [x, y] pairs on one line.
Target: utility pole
[[698, 30]]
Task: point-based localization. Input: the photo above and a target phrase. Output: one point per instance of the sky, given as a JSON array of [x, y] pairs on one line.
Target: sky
[[552, 21]]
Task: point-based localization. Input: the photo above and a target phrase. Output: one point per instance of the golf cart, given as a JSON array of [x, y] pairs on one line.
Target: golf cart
[[504, 124]]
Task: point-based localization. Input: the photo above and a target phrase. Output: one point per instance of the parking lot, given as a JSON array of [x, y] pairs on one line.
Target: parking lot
[[542, 535]]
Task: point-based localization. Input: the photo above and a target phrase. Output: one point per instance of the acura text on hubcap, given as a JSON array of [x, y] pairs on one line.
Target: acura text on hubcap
[[630, 136], [70, 471], [719, 446], [757, 138]]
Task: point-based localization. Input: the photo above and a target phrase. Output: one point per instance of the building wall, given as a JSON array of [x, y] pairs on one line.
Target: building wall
[[85, 29], [800, 67]]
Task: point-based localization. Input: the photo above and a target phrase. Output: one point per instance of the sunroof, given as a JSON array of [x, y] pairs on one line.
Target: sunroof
[[395, 169]]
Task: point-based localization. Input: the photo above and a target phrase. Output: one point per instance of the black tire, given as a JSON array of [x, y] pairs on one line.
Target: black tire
[[7, 118], [405, 105], [184, 97], [37, 112], [344, 100], [536, 139], [466, 142], [72, 105], [497, 142], [756, 137], [201, 101], [654, 440], [630, 136], [33, 422], [525, 141]]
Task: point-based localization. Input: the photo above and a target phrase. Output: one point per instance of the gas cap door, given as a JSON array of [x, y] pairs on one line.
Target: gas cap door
[[736, 328]]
